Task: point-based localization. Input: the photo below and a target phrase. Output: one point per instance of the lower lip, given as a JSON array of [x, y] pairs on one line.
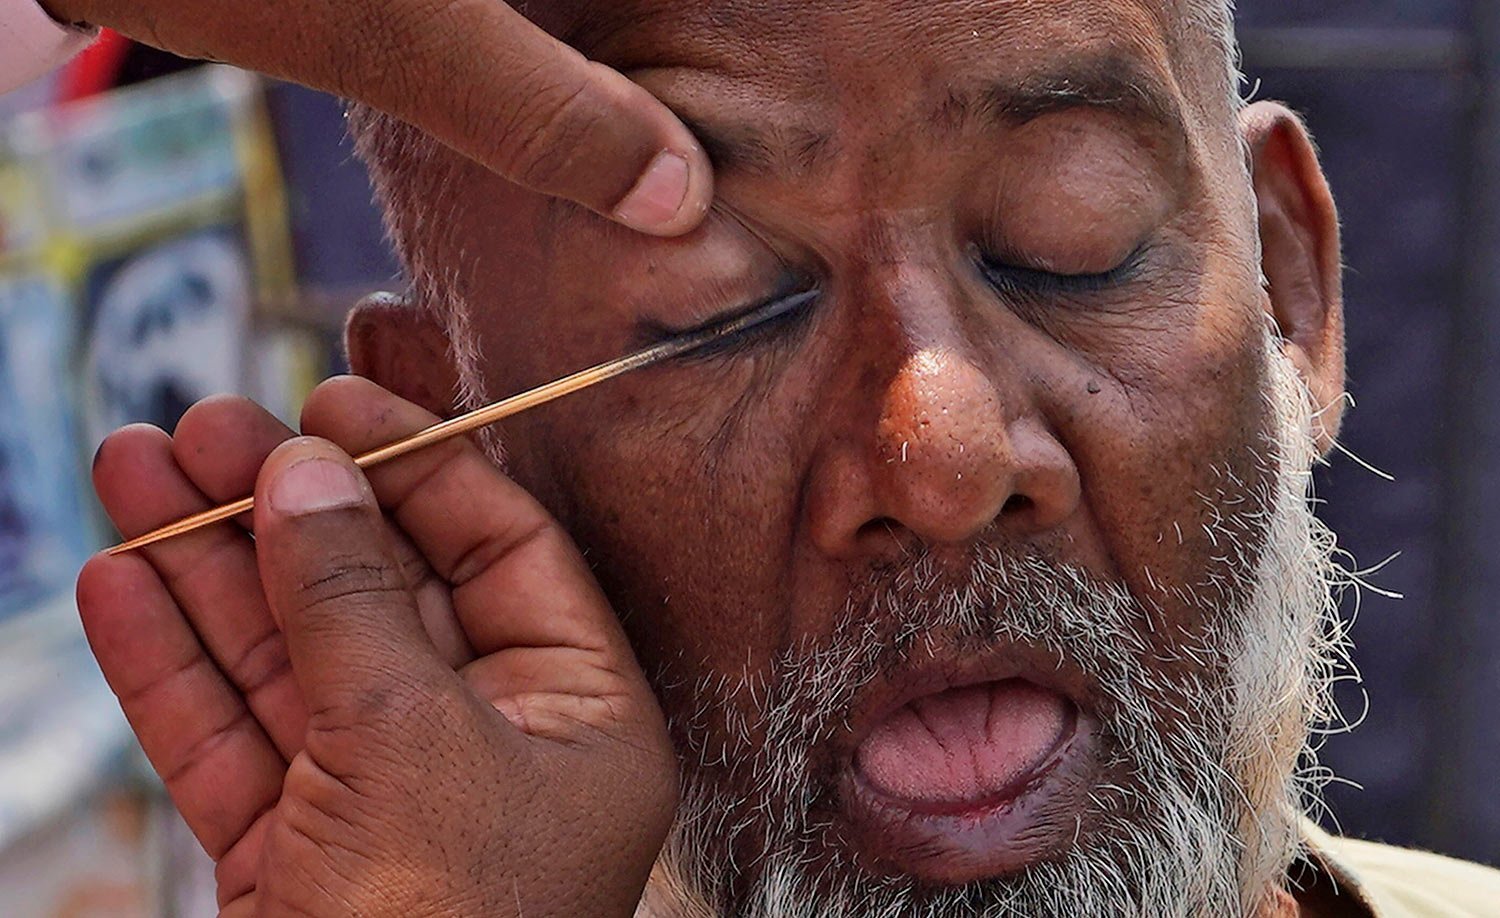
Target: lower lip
[[951, 843]]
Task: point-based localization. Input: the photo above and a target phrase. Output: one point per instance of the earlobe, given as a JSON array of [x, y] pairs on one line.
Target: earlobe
[[403, 348], [1301, 258]]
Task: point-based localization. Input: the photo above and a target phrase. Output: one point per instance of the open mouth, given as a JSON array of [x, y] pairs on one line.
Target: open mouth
[[966, 749], [970, 781]]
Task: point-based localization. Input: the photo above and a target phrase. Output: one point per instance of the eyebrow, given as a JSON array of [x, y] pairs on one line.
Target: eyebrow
[[764, 150], [1115, 84]]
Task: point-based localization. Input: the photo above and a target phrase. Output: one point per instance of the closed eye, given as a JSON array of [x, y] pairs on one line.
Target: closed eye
[[760, 324], [1033, 283]]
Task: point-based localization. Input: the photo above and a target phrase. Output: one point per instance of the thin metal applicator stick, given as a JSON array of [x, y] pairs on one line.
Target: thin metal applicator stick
[[489, 414]]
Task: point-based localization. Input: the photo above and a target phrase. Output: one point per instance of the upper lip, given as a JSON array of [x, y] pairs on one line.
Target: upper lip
[[895, 689]]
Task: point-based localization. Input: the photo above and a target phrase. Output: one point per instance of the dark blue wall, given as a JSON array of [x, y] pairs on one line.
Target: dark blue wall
[[1398, 135]]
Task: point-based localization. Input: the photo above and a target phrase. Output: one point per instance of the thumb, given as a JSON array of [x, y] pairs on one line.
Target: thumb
[[478, 76], [331, 578]]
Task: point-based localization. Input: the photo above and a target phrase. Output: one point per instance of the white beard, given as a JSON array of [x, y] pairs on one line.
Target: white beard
[[1209, 823]]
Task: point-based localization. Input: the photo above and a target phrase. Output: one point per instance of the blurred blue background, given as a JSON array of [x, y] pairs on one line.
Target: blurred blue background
[[1402, 95]]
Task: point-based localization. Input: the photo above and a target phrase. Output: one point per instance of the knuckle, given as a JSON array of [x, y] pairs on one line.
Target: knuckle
[[374, 744], [384, 49], [262, 664], [343, 580], [393, 714], [383, 704]]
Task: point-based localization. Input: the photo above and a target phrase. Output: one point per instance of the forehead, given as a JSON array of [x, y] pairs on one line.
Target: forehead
[[793, 40], [737, 25], [812, 71]]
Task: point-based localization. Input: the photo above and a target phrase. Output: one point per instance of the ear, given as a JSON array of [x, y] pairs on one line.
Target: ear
[[403, 348], [1300, 256]]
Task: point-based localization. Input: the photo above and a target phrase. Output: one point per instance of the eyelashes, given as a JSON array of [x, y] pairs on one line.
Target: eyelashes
[[761, 324], [1035, 285], [780, 317]]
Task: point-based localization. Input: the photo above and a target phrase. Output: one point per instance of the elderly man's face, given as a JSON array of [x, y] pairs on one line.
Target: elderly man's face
[[965, 581]]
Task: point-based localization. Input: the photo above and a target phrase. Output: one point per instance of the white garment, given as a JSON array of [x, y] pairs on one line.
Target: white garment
[[32, 42]]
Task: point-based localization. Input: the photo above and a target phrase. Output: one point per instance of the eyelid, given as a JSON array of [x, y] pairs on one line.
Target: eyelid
[[748, 321], [655, 331], [1023, 279], [764, 325]]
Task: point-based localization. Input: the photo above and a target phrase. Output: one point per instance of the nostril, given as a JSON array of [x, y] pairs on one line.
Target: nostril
[[1018, 503], [884, 527]]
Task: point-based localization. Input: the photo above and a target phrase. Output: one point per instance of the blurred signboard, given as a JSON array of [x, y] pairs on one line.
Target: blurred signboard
[[138, 231]]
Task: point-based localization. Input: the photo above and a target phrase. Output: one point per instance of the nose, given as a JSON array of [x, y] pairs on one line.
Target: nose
[[950, 455]]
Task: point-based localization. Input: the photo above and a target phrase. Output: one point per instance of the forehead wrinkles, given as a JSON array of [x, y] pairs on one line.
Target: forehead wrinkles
[[848, 60], [729, 35], [752, 32], [792, 38], [822, 80]]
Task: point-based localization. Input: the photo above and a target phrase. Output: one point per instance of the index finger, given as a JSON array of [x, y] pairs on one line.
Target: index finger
[[475, 74], [517, 579]]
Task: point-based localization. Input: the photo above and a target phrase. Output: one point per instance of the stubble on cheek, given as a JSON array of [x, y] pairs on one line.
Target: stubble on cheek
[[1182, 499], [686, 508]]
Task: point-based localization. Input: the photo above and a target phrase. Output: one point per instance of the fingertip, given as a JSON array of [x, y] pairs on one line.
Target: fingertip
[[308, 475], [124, 459], [341, 402], [103, 582], [89, 583], [672, 194], [361, 414], [219, 416], [298, 449], [125, 441], [221, 441]]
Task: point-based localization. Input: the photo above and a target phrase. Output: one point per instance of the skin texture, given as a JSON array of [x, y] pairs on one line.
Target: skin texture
[[533, 110], [729, 505]]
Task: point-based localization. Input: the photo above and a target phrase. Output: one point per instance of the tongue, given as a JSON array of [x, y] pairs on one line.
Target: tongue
[[965, 744]]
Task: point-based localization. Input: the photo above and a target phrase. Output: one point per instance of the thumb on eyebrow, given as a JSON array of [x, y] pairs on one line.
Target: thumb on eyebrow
[[541, 114], [544, 116], [334, 584]]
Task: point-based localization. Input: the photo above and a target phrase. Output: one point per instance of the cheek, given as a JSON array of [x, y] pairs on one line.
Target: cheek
[[689, 518], [1172, 452]]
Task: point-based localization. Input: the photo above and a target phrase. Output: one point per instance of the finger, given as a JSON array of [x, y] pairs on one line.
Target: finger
[[334, 583], [211, 574], [434, 600], [235, 874], [517, 578], [222, 442], [220, 768], [549, 692], [476, 75]]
